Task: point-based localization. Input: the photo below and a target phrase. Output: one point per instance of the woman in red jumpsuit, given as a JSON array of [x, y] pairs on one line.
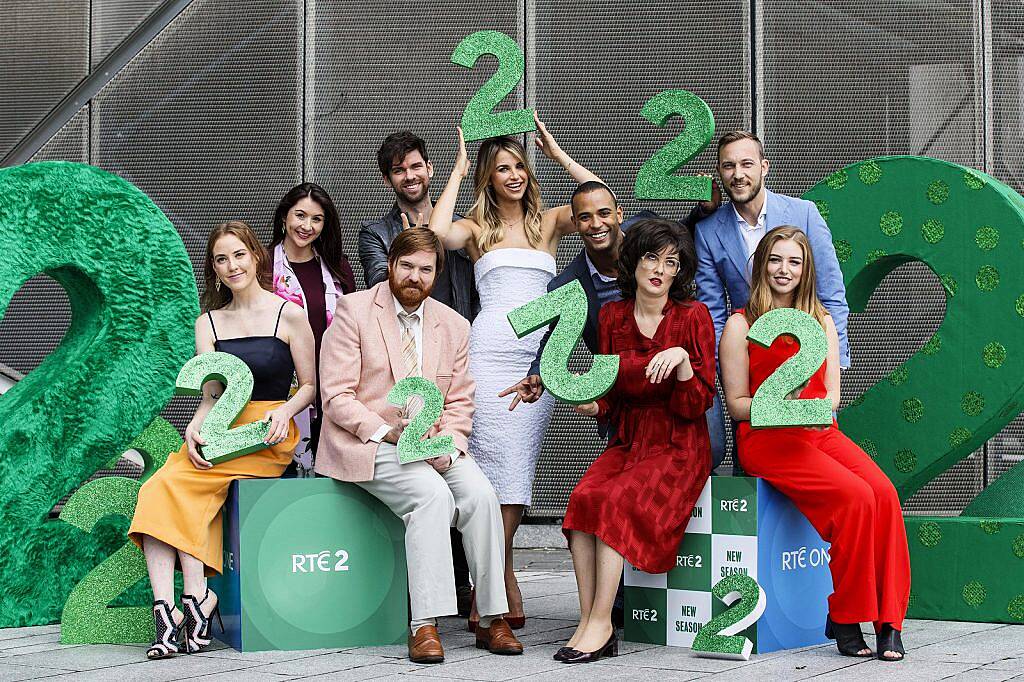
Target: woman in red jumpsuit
[[636, 498], [842, 492]]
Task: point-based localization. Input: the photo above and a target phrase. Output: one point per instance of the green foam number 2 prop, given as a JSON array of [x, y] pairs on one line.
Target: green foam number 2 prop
[[478, 122], [719, 637], [963, 385], [87, 618], [568, 305], [223, 442], [412, 447], [656, 179], [769, 407], [133, 304]]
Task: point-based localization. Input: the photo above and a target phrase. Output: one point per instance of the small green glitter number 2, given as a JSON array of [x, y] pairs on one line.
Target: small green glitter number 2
[[412, 447], [478, 122]]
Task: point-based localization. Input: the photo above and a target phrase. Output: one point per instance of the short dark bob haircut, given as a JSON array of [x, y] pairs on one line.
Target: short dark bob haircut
[[651, 235]]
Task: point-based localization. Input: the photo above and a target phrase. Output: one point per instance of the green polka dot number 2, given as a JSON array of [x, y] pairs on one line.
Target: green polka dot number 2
[[964, 385]]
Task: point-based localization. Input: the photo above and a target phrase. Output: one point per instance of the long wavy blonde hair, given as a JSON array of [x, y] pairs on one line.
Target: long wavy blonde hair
[[805, 297], [484, 211]]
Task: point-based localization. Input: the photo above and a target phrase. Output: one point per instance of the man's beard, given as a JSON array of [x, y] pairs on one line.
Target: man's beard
[[755, 189], [413, 199], [408, 294]]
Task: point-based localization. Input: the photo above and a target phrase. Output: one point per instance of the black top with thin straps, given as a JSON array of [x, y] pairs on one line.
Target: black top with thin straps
[[269, 359]]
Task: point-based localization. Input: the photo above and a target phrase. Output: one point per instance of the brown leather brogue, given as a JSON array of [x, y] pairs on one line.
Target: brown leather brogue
[[425, 646], [498, 639]]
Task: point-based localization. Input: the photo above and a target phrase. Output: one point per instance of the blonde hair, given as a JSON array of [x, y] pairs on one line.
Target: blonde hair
[[805, 297], [214, 296], [484, 211]]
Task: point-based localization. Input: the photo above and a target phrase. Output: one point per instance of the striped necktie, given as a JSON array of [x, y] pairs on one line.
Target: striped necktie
[[409, 354]]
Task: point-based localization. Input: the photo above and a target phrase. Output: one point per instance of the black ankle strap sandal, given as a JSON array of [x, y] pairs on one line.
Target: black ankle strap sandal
[[168, 633]]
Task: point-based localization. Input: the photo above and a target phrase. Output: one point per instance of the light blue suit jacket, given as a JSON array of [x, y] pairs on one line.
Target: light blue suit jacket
[[722, 261]]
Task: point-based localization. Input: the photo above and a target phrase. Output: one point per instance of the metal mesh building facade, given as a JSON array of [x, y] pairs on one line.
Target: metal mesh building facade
[[230, 104]]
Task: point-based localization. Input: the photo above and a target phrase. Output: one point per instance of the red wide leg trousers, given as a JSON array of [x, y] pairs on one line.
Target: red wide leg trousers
[[852, 504]]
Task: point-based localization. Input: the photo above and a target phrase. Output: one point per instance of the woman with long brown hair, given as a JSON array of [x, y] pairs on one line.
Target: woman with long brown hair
[[177, 518], [512, 241], [837, 486]]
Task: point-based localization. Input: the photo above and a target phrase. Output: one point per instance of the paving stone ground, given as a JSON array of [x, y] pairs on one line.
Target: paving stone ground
[[937, 650]]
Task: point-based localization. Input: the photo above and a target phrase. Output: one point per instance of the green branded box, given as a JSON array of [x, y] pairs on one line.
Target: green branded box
[[310, 564]]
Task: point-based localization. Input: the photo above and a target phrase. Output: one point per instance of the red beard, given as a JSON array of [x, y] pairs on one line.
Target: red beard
[[408, 294]]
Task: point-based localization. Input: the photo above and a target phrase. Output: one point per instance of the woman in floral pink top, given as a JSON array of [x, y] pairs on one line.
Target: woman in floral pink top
[[311, 270]]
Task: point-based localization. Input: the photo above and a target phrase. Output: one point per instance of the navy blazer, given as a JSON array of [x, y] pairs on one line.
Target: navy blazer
[[722, 261]]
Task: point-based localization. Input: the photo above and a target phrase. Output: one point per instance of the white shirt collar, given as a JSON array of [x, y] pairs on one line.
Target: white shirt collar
[[760, 216]]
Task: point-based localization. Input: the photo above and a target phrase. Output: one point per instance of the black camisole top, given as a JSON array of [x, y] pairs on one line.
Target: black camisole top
[[268, 358]]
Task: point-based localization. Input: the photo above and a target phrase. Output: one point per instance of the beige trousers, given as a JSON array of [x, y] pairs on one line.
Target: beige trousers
[[429, 503]]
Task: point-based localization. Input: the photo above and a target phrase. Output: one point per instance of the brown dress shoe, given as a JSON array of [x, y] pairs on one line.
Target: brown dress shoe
[[425, 646], [498, 639]]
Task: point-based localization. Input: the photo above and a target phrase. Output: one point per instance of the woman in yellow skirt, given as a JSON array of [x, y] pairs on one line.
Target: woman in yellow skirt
[[178, 516]]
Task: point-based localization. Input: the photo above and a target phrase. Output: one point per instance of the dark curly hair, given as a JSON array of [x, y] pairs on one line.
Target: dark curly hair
[[328, 245], [651, 235]]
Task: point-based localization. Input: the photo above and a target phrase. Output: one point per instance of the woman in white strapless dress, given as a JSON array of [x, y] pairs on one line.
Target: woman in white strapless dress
[[512, 240]]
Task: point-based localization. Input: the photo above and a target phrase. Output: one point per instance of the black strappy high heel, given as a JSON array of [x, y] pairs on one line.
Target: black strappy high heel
[[849, 639], [197, 624], [168, 633], [889, 639]]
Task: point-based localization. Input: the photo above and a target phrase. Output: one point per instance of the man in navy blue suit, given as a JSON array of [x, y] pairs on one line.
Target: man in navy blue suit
[[726, 241]]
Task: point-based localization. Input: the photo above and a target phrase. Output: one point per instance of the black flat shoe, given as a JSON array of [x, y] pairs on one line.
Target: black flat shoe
[[849, 639], [609, 650], [564, 653], [889, 640]]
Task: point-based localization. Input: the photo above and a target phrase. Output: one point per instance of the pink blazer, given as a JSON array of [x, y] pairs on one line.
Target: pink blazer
[[361, 360]]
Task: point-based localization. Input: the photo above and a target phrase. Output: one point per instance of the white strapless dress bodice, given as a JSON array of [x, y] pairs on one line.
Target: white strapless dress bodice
[[506, 444]]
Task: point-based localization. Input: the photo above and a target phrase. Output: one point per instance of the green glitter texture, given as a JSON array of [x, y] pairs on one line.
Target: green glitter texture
[[959, 436], [987, 278], [134, 304], [972, 403], [933, 231], [912, 409], [932, 346], [868, 446], [1019, 305], [1015, 609], [411, 445], [899, 376], [990, 527], [950, 284], [905, 461], [994, 354], [987, 237], [938, 192], [822, 209], [973, 181], [1018, 546], [974, 593], [929, 534], [869, 172], [656, 179], [875, 254], [844, 251], [478, 122], [837, 180], [891, 223]]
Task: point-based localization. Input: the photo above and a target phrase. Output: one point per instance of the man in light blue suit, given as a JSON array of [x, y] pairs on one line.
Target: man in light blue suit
[[726, 241]]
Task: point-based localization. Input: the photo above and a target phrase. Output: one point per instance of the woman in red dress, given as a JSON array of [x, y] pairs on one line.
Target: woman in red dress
[[635, 499], [841, 491]]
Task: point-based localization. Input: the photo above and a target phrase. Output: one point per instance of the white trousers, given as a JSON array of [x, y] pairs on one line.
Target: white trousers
[[429, 503]]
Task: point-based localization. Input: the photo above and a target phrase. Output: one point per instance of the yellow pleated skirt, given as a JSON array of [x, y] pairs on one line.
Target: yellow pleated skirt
[[181, 505]]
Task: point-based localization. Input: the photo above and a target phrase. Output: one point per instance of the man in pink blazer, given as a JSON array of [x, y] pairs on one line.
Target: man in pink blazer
[[380, 336]]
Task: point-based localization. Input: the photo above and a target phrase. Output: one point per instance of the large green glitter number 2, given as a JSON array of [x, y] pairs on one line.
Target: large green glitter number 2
[[719, 637], [223, 442], [963, 385], [86, 618], [769, 406], [568, 305], [133, 305], [412, 447], [477, 120], [655, 180]]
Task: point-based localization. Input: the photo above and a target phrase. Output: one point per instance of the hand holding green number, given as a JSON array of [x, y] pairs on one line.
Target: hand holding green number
[[412, 447], [567, 304], [478, 122], [769, 406], [656, 179], [719, 637], [223, 442]]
